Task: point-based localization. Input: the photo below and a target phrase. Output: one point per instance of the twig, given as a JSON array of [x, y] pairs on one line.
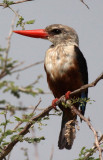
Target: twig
[[17, 65], [93, 149], [9, 36], [5, 117], [17, 126], [35, 145], [29, 66], [85, 4], [20, 108], [8, 44], [17, 2], [36, 106], [10, 146], [91, 127], [34, 109], [52, 152], [3, 74], [21, 1]]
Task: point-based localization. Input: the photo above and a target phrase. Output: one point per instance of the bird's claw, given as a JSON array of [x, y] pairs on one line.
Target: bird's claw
[[54, 103], [67, 95]]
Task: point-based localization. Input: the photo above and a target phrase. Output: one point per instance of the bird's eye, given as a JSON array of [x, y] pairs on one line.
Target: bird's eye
[[56, 31]]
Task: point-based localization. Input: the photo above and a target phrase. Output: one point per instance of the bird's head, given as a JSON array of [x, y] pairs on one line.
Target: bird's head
[[56, 33]]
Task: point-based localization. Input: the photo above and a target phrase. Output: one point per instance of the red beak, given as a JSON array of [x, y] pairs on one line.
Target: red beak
[[39, 33]]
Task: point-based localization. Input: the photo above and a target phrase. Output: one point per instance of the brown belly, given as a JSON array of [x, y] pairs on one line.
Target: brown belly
[[70, 81]]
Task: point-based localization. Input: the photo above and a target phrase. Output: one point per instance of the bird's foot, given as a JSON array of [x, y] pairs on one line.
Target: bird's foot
[[67, 95], [54, 103]]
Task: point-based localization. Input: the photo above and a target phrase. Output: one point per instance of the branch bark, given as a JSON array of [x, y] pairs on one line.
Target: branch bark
[[17, 2]]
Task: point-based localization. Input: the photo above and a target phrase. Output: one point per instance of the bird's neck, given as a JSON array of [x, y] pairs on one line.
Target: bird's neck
[[66, 43]]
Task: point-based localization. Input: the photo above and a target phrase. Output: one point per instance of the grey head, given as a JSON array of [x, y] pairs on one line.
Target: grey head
[[58, 33]]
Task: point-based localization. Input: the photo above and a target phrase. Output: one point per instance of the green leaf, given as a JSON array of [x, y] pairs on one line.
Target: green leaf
[[8, 2], [30, 22], [8, 132], [32, 140], [84, 152], [13, 137], [0, 130], [18, 119], [2, 50], [19, 129], [40, 90], [15, 93], [3, 112], [19, 137], [20, 22], [3, 101], [5, 143]]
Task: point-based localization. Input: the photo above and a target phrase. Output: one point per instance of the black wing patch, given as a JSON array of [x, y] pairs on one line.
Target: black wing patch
[[84, 73]]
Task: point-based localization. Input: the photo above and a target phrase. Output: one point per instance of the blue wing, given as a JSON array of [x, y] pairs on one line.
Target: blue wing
[[83, 106]]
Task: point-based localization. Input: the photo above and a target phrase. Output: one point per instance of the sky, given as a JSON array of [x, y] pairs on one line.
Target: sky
[[89, 26]]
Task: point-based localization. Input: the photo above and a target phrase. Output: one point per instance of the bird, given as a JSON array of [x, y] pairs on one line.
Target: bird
[[66, 70]]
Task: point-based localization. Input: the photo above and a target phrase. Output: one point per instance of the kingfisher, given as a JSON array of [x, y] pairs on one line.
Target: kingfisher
[[66, 70]]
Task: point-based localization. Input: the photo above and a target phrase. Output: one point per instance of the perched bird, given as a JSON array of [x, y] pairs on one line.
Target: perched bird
[[66, 70]]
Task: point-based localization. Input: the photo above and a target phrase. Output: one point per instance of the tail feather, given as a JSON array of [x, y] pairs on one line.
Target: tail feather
[[67, 133]]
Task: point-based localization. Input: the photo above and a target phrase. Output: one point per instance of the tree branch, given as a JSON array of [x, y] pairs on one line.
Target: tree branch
[[85, 4], [27, 67], [91, 127], [3, 73], [94, 148], [14, 70], [17, 2], [22, 1], [10, 146]]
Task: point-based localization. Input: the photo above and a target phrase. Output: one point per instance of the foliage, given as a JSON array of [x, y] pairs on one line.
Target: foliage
[[84, 152], [21, 22], [74, 100], [8, 66], [7, 3]]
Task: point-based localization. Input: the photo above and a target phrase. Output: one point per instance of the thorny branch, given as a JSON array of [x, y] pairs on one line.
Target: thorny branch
[[11, 70], [27, 67], [52, 152], [94, 148], [10, 146], [32, 112], [17, 2], [9, 37], [91, 127], [22, 1], [8, 46], [19, 108]]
